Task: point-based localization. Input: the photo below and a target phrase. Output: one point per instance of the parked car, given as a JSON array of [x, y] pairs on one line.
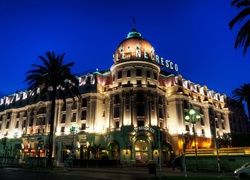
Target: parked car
[[243, 172]]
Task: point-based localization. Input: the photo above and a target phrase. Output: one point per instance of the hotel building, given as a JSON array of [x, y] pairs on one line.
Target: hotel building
[[132, 112]]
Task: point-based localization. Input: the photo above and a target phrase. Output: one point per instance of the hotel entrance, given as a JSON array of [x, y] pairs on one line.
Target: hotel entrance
[[141, 151]]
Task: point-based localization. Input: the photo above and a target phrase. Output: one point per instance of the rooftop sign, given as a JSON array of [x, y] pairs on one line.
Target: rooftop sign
[[138, 54]]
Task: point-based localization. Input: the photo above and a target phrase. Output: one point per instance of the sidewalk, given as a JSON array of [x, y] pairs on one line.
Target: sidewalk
[[145, 170], [124, 170]]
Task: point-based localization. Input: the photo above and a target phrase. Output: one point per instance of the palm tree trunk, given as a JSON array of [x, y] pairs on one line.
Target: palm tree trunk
[[51, 134], [248, 109]]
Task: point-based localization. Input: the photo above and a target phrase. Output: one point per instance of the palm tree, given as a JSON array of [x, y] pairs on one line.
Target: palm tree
[[243, 94], [55, 81], [243, 36]]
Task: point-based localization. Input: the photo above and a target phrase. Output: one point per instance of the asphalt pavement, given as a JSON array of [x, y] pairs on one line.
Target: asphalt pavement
[[144, 171], [125, 173]]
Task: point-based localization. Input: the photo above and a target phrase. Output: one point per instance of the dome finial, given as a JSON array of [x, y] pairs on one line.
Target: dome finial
[[134, 33]]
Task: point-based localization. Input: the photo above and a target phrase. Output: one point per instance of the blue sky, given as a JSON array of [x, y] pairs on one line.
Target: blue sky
[[194, 34]]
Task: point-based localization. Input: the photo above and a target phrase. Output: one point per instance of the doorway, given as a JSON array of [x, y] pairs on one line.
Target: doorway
[[141, 151]]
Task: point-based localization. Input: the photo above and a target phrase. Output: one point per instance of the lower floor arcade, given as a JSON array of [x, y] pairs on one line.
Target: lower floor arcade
[[130, 145]]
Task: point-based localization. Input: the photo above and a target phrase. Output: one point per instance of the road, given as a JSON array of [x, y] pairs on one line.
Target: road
[[129, 173]]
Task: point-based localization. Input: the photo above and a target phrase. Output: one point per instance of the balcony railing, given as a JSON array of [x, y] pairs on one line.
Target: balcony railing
[[221, 151]]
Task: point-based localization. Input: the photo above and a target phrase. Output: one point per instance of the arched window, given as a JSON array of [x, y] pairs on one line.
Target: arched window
[[117, 99]]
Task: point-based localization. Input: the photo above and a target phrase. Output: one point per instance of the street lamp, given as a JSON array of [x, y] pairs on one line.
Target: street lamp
[[73, 129], [193, 118]]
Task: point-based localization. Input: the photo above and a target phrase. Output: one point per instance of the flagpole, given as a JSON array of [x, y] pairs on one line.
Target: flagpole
[[133, 22]]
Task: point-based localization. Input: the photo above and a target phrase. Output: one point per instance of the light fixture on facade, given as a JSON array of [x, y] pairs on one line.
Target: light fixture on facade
[[192, 118]]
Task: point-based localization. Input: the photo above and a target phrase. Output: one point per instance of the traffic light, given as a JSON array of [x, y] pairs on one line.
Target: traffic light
[[218, 159]]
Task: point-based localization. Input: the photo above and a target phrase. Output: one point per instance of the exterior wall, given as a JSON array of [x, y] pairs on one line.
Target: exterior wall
[[100, 122], [237, 118], [130, 113]]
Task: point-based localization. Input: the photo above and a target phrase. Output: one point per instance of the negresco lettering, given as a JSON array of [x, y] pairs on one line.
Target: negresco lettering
[[121, 55]]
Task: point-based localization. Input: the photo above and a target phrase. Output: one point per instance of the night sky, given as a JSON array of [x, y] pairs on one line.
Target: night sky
[[194, 34]]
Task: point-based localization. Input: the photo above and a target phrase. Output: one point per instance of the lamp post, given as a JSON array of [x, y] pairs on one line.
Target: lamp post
[[193, 118], [73, 129]]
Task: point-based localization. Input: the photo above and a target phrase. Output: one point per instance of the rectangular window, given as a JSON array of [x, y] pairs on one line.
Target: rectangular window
[[31, 121], [73, 117], [63, 118], [62, 129], [24, 123], [138, 72], [140, 123], [216, 124], [17, 124], [116, 112], [43, 121], [148, 74], [160, 100], [64, 107], [218, 134], [117, 99], [84, 102], [128, 73], [7, 125], [117, 124], [84, 115], [38, 121], [140, 109], [202, 121], [74, 105], [119, 75], [8, 115], [160, 113], [203, 132], [223, 126], [83, 126], [155, 76]]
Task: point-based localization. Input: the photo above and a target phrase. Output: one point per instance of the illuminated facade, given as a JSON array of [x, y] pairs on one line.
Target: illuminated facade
[[125, 113]]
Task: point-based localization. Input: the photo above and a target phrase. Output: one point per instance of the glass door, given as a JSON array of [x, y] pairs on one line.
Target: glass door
[[141, 151]]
